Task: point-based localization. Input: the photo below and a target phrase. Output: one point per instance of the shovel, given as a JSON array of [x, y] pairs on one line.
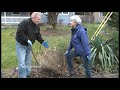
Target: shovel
[[37, 63], [33, 54]]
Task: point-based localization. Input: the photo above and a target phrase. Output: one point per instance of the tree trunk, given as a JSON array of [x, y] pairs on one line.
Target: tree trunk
[[52, 19], [54, 26]]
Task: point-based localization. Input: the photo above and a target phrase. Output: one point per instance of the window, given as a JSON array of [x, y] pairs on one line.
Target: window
[[15, 13], [64, 13], [60, 12], [100, 14], [79, 13], [44, 12], [83, 13]]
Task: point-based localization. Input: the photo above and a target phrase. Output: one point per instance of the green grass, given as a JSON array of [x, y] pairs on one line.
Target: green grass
[[8, 45], [8, 49]]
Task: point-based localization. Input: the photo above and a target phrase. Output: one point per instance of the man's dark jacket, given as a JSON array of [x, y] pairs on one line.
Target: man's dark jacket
[[28, 30]]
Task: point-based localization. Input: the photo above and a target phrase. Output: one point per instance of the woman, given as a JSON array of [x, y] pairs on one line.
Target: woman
[[80, 43]]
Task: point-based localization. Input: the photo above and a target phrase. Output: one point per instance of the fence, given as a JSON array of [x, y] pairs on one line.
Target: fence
[[11, 20]]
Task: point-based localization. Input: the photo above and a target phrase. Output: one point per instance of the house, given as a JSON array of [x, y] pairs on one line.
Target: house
[[17, 17], [13, 18], [91, 17], [98, 17]]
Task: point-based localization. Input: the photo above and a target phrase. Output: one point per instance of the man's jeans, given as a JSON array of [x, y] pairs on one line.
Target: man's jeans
[[24, 60], [86, 63]]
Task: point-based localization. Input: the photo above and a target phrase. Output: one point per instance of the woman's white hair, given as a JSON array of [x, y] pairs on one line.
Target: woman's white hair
[[76, 18], [34, 14]]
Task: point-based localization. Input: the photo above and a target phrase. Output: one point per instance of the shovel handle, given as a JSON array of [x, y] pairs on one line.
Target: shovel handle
[[33, 53]]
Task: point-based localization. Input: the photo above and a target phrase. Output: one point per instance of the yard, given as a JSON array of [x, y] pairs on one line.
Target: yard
[[58, 42]]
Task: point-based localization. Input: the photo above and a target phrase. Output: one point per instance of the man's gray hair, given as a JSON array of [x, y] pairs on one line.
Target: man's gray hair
[[34, 14], [76, 18]]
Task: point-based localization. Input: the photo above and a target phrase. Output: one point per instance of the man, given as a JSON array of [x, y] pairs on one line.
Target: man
[[79, 41], [27, 32]]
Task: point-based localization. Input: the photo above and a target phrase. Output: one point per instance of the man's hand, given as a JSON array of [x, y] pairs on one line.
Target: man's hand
[[45, 44], [29, 42]]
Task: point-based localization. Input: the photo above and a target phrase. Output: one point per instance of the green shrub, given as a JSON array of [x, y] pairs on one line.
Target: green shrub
[[103, 54]]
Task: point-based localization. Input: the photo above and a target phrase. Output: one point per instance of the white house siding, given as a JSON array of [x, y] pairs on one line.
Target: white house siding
[[64, 19], [97, 17], [17, 18], [43, 18], [13, 18]]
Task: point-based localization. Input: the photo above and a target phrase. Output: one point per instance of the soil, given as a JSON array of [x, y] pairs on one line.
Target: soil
[[43, 72]]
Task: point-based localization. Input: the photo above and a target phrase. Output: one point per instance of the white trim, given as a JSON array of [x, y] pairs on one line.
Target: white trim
[[10, 22], [63, 13], [5, 18], [14, 17]]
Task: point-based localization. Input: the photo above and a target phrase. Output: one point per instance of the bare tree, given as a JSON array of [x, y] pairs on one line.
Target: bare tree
[[52, 19]]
